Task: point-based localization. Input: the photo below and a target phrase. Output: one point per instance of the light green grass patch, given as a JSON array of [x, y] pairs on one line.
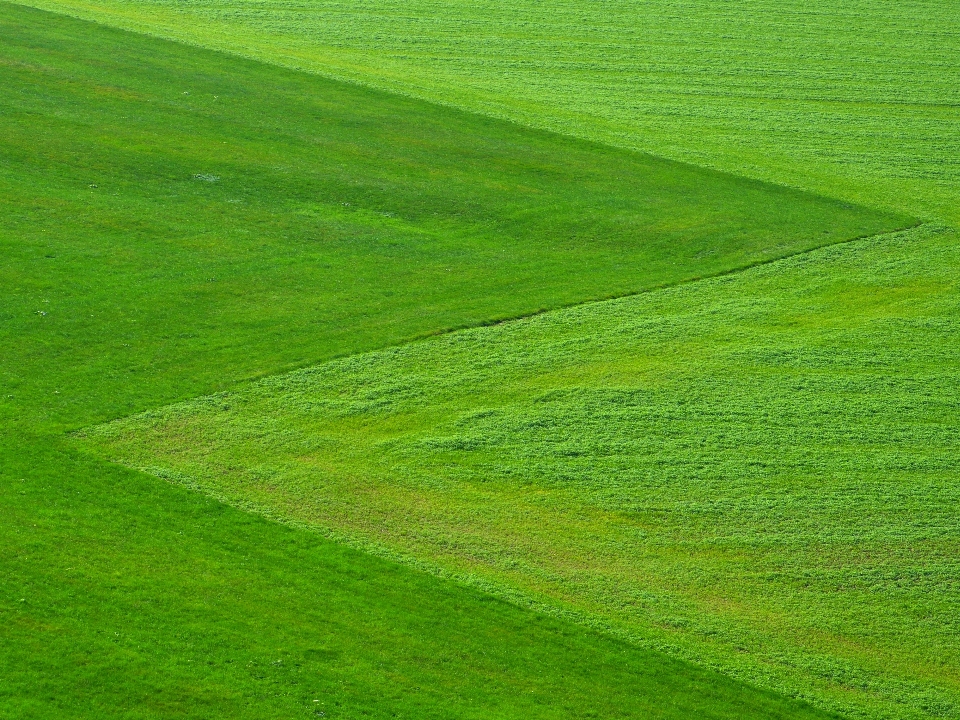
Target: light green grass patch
[[757, 472], [124, 596]]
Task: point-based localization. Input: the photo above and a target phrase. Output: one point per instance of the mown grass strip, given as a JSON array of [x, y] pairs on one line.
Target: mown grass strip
[[125, 597]]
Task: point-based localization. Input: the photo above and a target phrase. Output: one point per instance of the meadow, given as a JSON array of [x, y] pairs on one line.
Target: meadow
[[271, 448], [126, 597], [174, 221], [856, 100], [181, 217], [755, 471]]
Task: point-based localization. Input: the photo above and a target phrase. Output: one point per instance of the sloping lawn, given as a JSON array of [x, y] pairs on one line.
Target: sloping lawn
[[757, 471]]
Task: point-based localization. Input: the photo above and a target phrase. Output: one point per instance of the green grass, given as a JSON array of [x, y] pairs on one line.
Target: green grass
[[855, 99], [341, 219], [125, 597], [157, 245], [757, 472]]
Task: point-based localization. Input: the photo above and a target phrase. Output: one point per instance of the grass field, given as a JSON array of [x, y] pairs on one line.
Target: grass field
[[124, 597], [719, 497], [857, 100], [194, 219], [758, 469], [158, 245]]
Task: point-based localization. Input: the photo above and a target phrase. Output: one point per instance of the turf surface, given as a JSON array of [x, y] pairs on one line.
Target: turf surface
[[125, 597], [772, 575], [176, 216], [855, 99], [758, 471], [173, 221]]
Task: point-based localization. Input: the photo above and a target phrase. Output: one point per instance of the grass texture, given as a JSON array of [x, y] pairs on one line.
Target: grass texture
[[172, 216], [125, 597], [859, 99], [757, 472], [173, 221]]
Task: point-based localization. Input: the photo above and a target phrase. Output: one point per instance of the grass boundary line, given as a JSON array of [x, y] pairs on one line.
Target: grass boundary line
[[493, 322], [499, 117], [757, 678], [762, 682]]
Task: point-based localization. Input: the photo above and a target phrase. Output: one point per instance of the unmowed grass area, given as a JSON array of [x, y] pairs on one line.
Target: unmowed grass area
[[173, 221], [856, 99], [757, 472]]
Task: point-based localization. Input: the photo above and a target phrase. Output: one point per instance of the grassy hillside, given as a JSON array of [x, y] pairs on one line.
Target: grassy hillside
[[854, 99], [122, 596], [175, 216], [173, 221], [758, 471]]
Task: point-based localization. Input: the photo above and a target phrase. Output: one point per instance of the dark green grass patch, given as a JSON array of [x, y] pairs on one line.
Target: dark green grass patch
[[173, 219], [759, 471]]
